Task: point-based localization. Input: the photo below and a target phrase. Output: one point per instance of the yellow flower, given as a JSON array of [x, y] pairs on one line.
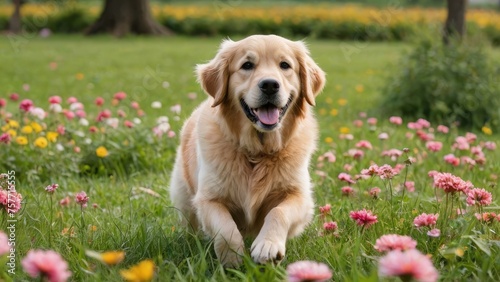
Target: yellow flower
[[360, 88], [12, 132], [13, 124], [334, 112], [5, 127], [109, 258], [27, 129], [113, 257], [141, 272], [52, 136], [101, 152], [487, 130], [22, 140], [329, 100], [328, 140], [36, 126], [344, 130], [79, 76], [342, 102], [41, 142], [322, 111]]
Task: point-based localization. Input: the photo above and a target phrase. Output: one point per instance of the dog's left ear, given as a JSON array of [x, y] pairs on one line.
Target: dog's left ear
[[214, 75], [312, 77]]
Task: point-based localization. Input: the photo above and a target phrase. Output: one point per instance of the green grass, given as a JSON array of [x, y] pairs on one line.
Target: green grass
[[145, 226]]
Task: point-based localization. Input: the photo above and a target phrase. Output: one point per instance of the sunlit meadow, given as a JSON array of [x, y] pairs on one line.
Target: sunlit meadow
[[89, 128]]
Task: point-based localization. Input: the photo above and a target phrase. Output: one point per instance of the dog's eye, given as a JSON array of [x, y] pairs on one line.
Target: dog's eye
[[284, 65], [247, 66]]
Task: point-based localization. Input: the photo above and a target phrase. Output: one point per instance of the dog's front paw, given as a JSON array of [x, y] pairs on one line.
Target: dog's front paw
[[229, 253], [266, 250]]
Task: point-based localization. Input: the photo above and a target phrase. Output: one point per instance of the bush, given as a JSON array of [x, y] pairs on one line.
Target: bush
[[445, 84]]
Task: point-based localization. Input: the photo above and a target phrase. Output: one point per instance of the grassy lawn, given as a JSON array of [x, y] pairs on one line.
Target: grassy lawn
[[133, 212]]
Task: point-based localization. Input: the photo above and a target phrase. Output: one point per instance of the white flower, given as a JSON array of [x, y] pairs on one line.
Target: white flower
[[59, 147], [162, 119], [137, 120], [383, 136], [84, 122], [176, 109], [56, 108], [76, 106], [79, 133], [88, 141], [113, 122], [156, 105], [165, 84], [164, 127], [38, 112]]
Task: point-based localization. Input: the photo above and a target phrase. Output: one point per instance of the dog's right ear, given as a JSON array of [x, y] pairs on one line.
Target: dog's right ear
[[214, 75]]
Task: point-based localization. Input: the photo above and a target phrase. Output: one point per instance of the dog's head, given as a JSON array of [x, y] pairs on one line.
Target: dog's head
[[263, 75]]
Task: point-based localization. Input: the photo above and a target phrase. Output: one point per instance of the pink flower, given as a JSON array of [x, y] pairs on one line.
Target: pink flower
[[65, 202], [478, 196], [69, 115], [487, 217], [47, 264], [383, 136], [461, 143], [451, 159], [358, 123], [424, 123], [51, 188], [363, 217], [325, 209], [347, 191], [120, 95], [396, 120], [364, 144], [4, 244], [72, 100], [99, 101], [128, 124], [329, 156], [414, 125], [434, 146], [3, 102], [394, 154], [308, 271], [386, 172], [11, 201], [330, 226], [191, 95], [432, 173], [82, 199], [470, 137], [372, 170], [394, 242], [374, 192], [407, 264], [55, 100], [80, 113], [346, 177], [451, 183], [26, 105], [176, 109], [14, 97], [425, 220], [135, 105], [103, 115], [362, 114], [434, 233], [355, 153], [5, 138], [372, 121], [476, 150], [490, 145], [410, 186], [443, 129]]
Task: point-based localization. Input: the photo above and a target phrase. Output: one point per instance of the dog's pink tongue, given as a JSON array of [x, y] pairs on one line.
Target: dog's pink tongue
[[268, 115]]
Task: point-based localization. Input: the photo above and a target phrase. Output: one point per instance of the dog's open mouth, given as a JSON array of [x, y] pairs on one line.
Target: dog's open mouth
[[266, 116]]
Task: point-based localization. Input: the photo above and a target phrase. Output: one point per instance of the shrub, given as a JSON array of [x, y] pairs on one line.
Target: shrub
[[444, 84]]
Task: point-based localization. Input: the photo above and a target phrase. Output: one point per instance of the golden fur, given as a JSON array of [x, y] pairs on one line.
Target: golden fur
[[236, 175]]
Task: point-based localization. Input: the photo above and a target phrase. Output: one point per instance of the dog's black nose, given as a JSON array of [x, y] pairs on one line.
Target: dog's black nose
[[269, 86]]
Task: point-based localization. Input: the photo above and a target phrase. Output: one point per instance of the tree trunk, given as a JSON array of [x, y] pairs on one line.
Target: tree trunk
[[15, 19], [455, 21], [120, 17]]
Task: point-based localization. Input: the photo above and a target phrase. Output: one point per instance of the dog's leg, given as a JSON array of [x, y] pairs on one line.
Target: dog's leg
[[218, 223], [286, 220]]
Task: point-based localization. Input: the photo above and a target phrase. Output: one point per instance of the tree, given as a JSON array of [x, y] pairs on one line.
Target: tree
[[15, 19], [455, 20], [120, 17]]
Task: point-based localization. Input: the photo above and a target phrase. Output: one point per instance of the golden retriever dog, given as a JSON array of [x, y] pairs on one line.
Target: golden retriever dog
[[242, 166]]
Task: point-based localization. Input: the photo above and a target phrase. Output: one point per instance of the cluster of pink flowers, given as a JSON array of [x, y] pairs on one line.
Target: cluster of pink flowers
[[410, 264], [424, 219], [46, 264], [363, 217], [478, 196], [346, 177], [51, 188], [10, 200], [394, 242], [487, 217], [451, 183]]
